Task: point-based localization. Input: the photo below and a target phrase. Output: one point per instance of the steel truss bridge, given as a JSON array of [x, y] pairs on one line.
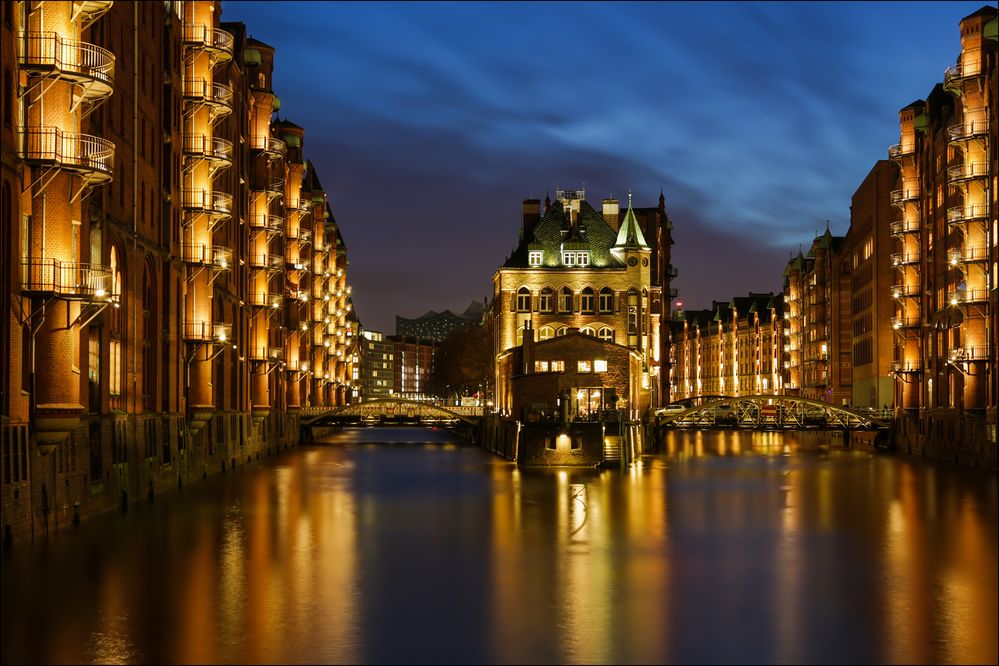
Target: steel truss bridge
[[382, 410], [770, 411]]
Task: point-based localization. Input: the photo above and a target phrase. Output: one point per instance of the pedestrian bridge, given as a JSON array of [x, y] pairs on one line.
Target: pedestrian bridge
[[770, 411], [393, 410]]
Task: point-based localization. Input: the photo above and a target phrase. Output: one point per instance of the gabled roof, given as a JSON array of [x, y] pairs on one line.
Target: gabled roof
[[591, 232], [987, 11]]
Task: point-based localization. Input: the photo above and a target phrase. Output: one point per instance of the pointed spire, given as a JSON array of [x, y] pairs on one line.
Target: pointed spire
[[630, 233]]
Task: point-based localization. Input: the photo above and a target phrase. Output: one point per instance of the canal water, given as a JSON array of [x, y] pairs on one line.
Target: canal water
[[405, 546]]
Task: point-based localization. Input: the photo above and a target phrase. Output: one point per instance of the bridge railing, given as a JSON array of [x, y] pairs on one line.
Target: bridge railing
[[769, 411]]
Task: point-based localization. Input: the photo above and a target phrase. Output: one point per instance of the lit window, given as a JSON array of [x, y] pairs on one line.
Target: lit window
[[523, 300], [600, 365], [561, 330], [586, 330], [565, 300], [587, 301], [558, 366], [545, 333], [584, 366], [547, 300], [583, 258], [606, 300], [534, 257], [541, 366], [569, 258], [606, 334]]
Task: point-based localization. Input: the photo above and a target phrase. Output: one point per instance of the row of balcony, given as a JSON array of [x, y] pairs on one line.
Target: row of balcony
[[49, 54], [84, 154]]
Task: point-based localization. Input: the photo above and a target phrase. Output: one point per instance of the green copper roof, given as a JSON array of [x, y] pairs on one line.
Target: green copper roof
[[630, 234], [593, 234]]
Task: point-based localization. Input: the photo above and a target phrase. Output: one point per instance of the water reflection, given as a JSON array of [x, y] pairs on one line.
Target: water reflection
[[404, 545]]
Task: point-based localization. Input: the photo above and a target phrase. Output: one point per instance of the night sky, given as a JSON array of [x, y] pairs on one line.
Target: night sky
[[429, 124]]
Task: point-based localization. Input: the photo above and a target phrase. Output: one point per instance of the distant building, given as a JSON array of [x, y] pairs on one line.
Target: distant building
[[733, 349], [413, 361], [437, 326], [377, 366]]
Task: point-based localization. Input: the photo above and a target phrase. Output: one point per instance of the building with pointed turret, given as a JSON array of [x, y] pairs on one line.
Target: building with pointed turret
[[589, 286]]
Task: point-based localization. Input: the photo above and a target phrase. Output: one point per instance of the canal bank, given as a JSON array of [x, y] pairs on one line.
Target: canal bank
[[110, 463]]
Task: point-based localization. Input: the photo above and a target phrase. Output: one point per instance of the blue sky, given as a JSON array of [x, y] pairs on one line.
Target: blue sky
[[429, 123]]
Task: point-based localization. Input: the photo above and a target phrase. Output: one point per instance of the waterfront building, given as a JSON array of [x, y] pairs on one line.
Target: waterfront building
[[412, 365], [575, 268], [377, 366], [873, 267], [946, 231], [817, 318], [163, 243], [733, 349]]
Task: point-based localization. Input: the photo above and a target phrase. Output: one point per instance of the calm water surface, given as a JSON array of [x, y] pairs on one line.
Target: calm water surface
[[729, 547]]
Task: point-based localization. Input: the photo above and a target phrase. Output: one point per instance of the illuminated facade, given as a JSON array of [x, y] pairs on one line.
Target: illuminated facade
[[817, 320], [167, 253], [733, 349], [946, 233], [602, 274]]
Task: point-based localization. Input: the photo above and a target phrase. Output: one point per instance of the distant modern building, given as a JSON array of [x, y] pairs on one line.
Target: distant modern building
[[377, 366], [438, 326], [413, 362]]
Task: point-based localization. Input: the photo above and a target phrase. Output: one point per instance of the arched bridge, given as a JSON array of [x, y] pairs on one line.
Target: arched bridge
[[762, 411], [381, 410]]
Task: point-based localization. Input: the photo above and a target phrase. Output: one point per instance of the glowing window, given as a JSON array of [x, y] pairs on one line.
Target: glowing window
[[584, 366], [600, 365], [534, 257]]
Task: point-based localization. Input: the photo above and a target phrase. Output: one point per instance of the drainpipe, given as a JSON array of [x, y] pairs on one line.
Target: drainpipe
[[135, 204]]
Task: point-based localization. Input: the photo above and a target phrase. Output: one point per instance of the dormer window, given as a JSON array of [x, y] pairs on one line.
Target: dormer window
[[534, 257], [575, 258]]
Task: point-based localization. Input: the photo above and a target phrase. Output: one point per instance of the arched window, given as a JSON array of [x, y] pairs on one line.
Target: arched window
[[565, 300], [606, 300], [606, 334], [587, 301], [523, 300], [545, 333], [547, 300], [586, 330], [561, 330]]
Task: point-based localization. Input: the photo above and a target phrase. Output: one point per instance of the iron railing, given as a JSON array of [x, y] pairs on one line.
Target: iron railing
[[67, 279], [69, 150], [49, 50]]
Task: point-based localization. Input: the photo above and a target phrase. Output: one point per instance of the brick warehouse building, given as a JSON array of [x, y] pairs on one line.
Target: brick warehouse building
[[947, 233], [174, 283]]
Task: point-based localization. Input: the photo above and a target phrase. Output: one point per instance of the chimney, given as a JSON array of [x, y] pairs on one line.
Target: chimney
[[612, 211], [532, 215], [528, 348]]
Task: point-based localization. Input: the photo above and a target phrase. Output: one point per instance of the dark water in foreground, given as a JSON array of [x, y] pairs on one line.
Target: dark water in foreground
[[731, 547]]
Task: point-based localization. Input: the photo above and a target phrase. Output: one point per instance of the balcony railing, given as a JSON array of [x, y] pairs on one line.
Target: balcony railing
[[905, 322], [304, 235], [215, 203], [271, 262], [965, 255], [967, 213], [906, 367], [904, 290], [207, 331], [899, 197], [976, 353], [967, 171], [217, 95], [974, 125], [213, 148], [74, 152], [268, 145], [218, 42], [959, 296], [264, 299], [69, 280], [272, 186], [206, 255], [900, 227], [265, 353], [297, 265], [900, 150], [272, 223], [970, 65], [48, 53], [904, 258]]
